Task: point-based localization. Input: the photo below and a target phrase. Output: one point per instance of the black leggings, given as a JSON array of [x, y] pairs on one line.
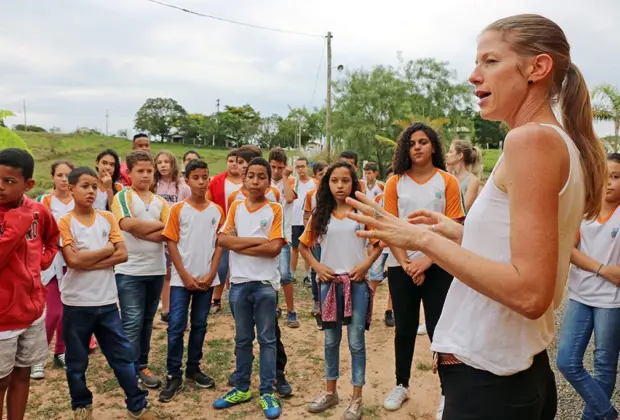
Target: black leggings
[[473, 394], [406, 298]]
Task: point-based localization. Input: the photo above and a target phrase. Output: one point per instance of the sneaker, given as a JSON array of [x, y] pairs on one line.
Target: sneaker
[[146, 378], [270, 405], [397, 397], [422, 329], [322, 402], [232, 397], [200, 379], [307, 281], [439, 412], [354, 410], [171, 389], [319, 322], [283, 388], [216, 307], [59, 361], [83, 413], [37, 372], [148, 413], [389, 318], [165, 317], [292, 321], [278, 313], [315, 309]]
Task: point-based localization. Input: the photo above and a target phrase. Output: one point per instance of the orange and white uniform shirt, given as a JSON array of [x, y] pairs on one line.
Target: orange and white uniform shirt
[[404, 195], [301, 189], [272, 194], [286, 207], [341, 248], [310, 201], [195, 232], [89, 287], [376, 189], [263, 222], [101, 201], [146, 258], [598, 239], [58, 208]]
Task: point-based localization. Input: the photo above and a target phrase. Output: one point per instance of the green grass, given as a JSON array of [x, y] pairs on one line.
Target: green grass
[[83, 149], [489, 157]]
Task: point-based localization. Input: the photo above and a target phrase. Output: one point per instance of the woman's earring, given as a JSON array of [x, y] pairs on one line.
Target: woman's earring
[[530, 82]]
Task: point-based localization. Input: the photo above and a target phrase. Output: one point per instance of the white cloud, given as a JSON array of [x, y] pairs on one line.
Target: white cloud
[[72, 59]]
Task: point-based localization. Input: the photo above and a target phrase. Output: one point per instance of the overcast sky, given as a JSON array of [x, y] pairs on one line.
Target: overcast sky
[[73, 59]]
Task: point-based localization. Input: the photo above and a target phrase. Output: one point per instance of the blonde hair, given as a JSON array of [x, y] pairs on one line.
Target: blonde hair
[[175, 173], [530, 35], [472, 156]]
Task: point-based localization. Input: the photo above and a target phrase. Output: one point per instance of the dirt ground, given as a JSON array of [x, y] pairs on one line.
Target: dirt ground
[[49, 398]]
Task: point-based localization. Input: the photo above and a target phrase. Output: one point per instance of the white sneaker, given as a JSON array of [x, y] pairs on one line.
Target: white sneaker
[[37, 372], [397, 397], [422, 329], [439, 413]]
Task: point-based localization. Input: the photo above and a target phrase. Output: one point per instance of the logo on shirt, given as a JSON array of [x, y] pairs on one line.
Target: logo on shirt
[[358, 227], [213, 222], [438, 194], [105, 234], [263, 223], [614, 233]]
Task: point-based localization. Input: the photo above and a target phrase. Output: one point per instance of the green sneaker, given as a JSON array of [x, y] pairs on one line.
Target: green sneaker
[[270, 405], [232, 397]]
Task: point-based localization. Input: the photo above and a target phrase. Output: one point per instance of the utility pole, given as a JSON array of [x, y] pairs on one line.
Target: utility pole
[[217, 120], [25, 120], [107, 120], [328, 113], [299, 134]]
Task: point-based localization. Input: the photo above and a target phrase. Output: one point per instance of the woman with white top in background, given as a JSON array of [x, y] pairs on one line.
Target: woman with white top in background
[[465, 163], [511, 259]]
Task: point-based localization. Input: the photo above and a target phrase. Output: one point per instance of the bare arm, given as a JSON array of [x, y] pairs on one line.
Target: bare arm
[[270, 249], [154, 236], [119, 256], [140, 228], [472, 192], [235, 243], [307, 254], [110, 193], [287, 191], [83, 260]]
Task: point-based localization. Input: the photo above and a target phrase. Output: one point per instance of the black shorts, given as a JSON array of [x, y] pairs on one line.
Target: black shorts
[[297, 232]]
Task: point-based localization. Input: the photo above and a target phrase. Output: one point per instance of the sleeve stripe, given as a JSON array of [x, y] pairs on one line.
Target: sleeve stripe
[[124, 204]]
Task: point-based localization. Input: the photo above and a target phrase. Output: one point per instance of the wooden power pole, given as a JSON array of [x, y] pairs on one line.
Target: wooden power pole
[[328, 113]]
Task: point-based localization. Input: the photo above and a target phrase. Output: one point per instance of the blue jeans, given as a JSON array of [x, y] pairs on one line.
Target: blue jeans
[[579, 322], [376, 270], [180, 301], [222, 270], [254, 304], [316, 253], [284, 267], [139, 298], [355, 333], [79, 324]]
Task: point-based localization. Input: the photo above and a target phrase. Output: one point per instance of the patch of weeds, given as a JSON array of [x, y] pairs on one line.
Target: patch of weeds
[[424, 366]]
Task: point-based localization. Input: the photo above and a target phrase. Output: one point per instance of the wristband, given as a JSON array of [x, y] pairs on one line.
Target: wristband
[[599, 270]]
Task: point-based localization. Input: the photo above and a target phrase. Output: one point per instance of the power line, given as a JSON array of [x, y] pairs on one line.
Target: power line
[[251, 25], [318, 72]]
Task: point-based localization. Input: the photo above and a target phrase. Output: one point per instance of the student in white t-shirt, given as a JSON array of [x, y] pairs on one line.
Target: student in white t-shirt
[[191, 232], [92, 245], [59, 202], [254, 234], [346, 298], [594, 305], [142, 216], [108, 166], [374, 187]]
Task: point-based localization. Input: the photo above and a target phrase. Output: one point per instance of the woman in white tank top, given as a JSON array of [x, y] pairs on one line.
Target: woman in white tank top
[[510, 260]]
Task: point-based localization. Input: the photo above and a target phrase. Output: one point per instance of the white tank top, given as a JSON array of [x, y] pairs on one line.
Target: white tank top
[[481, 332]]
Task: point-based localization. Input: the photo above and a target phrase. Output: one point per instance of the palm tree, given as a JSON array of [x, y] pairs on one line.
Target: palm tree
[[436, 124], [607, 107]]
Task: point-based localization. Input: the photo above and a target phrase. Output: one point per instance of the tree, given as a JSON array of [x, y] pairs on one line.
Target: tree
[[31, 128], [55, 130], [607, 108], [488, 133], [122, 133], [9, 138], [239, 124], [161, 117], [5, 113], [268, 131]]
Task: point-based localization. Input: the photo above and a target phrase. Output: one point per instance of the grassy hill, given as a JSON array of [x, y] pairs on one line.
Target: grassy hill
[[83, 149]]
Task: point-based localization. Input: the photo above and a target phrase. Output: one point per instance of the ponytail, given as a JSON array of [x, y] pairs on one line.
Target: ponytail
[[476, 164], [577, 121]]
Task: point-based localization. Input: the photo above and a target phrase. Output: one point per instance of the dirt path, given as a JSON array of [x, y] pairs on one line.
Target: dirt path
[[49, 398]]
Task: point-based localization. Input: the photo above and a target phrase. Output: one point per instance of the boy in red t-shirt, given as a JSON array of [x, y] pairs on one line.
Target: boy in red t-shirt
[[28, 245]]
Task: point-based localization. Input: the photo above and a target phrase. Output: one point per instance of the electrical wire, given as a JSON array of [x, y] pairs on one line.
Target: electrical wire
[[318, 72], [251, 25]]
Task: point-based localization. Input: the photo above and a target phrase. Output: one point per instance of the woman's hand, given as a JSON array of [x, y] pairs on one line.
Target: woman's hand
[[418, 266], [106, 180], [324, 273], [438, 223], [611, 273], [419, 279], [385, 227], [359, 272]]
